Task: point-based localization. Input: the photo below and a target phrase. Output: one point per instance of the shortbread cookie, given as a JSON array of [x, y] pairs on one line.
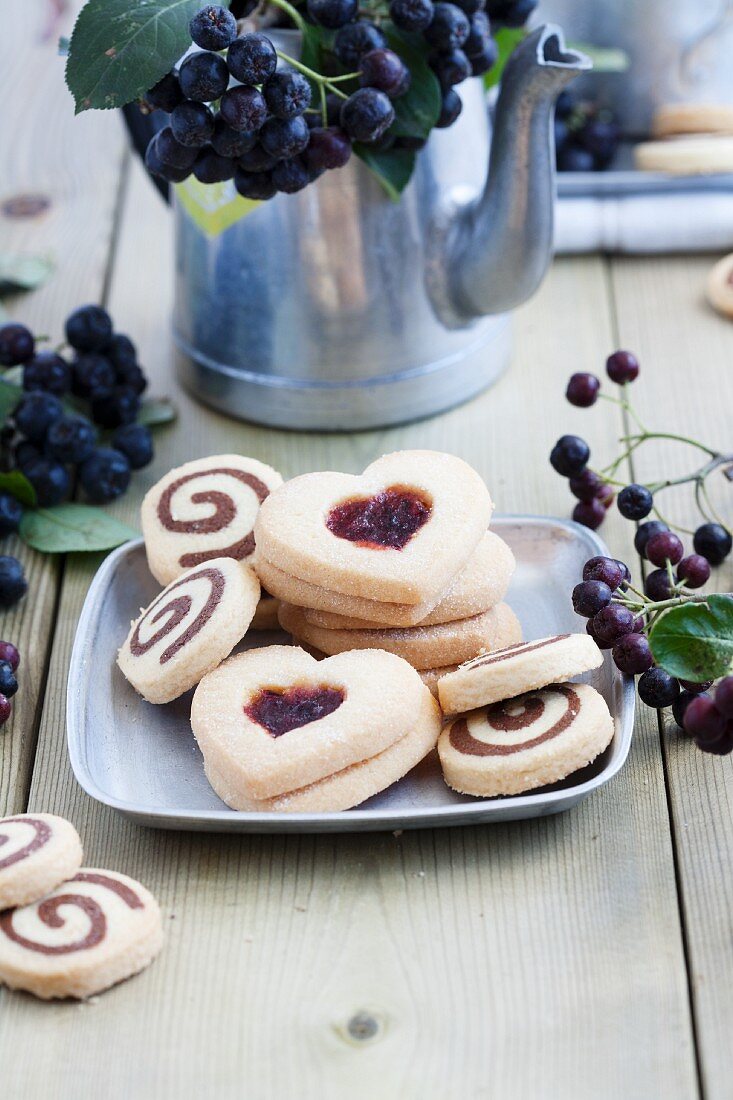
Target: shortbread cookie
[[37, 852], [480, 585], [265, 617], [203, 510], [697, 155], [352, 785], [516, 669], [432, 676], [274, 719], [89, 933], [423, 646], [720, 286], [399, 533], [692, 118], [189, 629], [534, 739]]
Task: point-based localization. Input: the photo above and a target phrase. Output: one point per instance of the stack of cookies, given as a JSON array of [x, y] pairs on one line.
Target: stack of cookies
[[398, 559], [689, 139]]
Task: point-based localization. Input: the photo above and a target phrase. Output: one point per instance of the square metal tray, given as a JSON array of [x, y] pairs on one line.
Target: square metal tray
[[143, 760]]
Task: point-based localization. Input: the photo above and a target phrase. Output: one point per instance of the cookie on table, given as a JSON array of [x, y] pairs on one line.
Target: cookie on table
[[518, 668], [37, 852], [526, 742], [696, 155], [205, 509], [423, 646], [189, 628], [399, 533], [692, 118], [275, 719], [265, 617], [90, 932], [350, 786]]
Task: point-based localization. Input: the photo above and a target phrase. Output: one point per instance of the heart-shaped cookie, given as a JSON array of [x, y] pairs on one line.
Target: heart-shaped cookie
[[37, 851], [398, 533], [275, 719]]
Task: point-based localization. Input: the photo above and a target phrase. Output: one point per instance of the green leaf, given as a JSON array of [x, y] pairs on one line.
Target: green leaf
[[18, 272], [695, 641], [507, 39], [18, 485], [417, 111], [10, 395], [606, 59], [156, 411], [393, 167], [70, 527], [120, 48]]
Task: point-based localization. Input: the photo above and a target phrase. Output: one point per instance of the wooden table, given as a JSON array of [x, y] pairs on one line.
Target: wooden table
[[583, 955]]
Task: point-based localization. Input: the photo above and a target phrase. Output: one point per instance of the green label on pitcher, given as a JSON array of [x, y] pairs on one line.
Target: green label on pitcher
[[213, 206]]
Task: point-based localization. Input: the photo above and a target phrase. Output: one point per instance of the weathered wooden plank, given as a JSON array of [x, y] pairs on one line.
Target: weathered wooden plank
[[687, 387], [57, 199]]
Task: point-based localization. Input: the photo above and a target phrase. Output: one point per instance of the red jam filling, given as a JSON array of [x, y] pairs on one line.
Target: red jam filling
[[281, 711], [385, 521]]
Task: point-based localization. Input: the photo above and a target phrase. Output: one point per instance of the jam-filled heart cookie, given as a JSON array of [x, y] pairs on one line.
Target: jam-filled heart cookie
[[87, 934], [37, 852], [350, 786], [275, 719], [399, 533], [189, 628], [205, 509], [518, 668], [526, 742], [422, 646]]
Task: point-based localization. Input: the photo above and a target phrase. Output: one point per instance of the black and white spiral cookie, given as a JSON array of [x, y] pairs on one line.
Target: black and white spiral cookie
[[189, 629], [526, 742], [37, 852], [90, 932], [205, 509]]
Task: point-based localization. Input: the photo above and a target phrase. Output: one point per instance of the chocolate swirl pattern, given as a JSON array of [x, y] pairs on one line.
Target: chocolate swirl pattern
[[175, 610], [14, 834], [513, 651], [523, 713]]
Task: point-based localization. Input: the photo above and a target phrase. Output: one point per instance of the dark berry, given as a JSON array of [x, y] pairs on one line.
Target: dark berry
[[356, 39], [70, 439], [663, 547], [287, 94], [252, 59], [156, 166], [11, 514], [243, 108], [132, 377], [590, 513], [231, 143], [88, 328], [135, 442], [385, 70], [679, 707], [256, 160], [211, 168], [49, 372], [713, 542], [6, 709], [284, 138], [13, 584], [471, 6], [411, 15], [583, 389], [512, 13], [696, 688], [290, 175], [694, 570], [204, 77], [8, 682], [105, 476], [332, 13], [611, 623], [632, 654], [703, 720], [450, 109], [571, 158], [254, 185], [606, 496], [17, 345], [449, 27], [50, 480], [119, 406], [367, 114], [481, 63], [570, 455], [35, 413], [451, 67], [213, 28], [479, 35], [166, 94], [585, 486], [601, 138], [720, 746], [120, 351], [329, 148], [564, 104], [635, 502], [25, 452], [645, 532], [171, 152], [590, 596], [92, 373], [723, 697], [657, 585], [192, 124], [9, 653], [658, 689], [608, 570], [622, 367]]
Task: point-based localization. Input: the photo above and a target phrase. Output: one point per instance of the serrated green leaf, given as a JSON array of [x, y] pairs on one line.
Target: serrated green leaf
[[73, 527], [10, 395], [120, 48], [417, 111], [507, 39], [695, 641], [18, 485], [19, 272], [156, 411], [393, 167]]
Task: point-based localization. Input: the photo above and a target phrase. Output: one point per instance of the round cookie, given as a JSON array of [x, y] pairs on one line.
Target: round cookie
[[265, 617], [89, 933], [696, 155], [189, 629], [275, 719], [720, 286], [37, 852], [399, 533], [505, 673], [692, 118], [481, 584], [527, 742], [423, 646], [352, 785], [205, 509]]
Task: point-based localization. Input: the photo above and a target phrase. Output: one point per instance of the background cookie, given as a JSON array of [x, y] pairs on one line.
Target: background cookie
[[189, 629], [92, 931], [526, 742], [205, 509], [431, 677], [265, 617], [693, 118], [37, 852], [697, 154], [519, 668]]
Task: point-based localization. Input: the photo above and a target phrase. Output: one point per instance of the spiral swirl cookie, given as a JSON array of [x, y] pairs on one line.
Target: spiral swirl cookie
[[92, 931], [189, 629], [526, 742], [505, 673], [203, 510], [37, 852]]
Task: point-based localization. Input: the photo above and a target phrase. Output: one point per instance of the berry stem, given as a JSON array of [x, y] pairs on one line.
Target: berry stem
[[294, 14], [317, 78]]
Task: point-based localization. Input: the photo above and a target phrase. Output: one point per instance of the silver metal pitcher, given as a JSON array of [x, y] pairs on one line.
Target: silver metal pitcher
[[338, 309]]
